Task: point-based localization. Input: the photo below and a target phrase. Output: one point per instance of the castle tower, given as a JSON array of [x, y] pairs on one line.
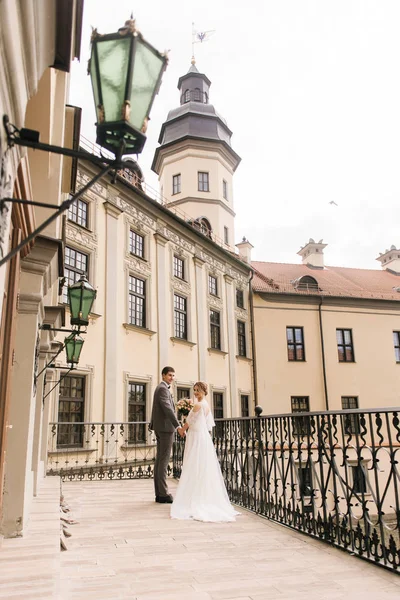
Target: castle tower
[[195, 161]]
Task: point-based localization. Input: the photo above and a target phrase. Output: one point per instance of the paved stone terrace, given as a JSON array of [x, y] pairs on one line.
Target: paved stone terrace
[[125, 546]]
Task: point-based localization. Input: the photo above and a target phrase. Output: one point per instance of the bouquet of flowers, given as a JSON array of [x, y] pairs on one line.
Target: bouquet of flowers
[[184, 406]]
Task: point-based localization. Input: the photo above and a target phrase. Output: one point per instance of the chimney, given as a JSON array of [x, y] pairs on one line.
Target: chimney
[[244, 248], [313, 254], [390, 260]]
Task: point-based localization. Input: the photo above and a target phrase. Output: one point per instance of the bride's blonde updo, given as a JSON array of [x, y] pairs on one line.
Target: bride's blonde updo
[[202, 387]]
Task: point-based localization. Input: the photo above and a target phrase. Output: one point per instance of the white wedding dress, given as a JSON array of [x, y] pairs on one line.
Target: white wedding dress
[[201, 492]]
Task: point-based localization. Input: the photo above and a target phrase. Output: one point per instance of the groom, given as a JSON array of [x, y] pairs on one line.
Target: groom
[[164, 423]]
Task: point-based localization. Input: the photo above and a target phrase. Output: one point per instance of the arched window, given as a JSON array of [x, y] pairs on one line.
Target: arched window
[[204, 225], [205, 98], [187, 95], [306, 283], [197, 95]]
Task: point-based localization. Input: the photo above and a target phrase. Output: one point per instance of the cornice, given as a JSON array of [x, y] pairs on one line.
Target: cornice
[[195, 142], [216, 201], [112, 209]]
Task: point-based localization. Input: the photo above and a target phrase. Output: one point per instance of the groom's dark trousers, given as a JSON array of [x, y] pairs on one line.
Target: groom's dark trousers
[[164, 423], [164, 447]]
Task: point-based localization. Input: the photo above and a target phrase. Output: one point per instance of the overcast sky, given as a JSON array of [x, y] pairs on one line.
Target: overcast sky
[[311, 91]]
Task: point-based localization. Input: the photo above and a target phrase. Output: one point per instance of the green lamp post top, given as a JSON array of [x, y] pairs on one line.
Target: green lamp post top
[[126, 75]]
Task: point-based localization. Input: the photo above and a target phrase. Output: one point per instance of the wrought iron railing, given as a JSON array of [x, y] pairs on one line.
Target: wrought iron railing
[[333, 475], [78, 451]]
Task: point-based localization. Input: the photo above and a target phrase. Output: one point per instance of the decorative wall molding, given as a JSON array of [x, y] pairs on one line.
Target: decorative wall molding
[[215, 302], [80, 236], [137, 265]]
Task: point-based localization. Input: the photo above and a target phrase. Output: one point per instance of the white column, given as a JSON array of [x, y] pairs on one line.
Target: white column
[[202, 319], [111, 314], [162, 301], [39, 270], [232, 405]]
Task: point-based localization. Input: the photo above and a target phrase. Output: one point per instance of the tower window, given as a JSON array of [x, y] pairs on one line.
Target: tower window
[[197, 95], [187, 95], [176, 184], [203, 181], [225, 189], [226, 235]]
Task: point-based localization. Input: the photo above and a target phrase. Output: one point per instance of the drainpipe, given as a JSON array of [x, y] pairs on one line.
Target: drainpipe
[[253, 340], [321, 331]]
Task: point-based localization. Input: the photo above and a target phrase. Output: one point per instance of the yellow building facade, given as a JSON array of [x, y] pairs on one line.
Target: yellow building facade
[[326, 338]]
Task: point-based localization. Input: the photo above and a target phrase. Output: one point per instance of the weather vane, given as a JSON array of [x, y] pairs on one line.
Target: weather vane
[[198, 37]]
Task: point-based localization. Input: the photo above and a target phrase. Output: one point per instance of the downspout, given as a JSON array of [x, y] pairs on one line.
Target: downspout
[[253, 340], [321, 331]]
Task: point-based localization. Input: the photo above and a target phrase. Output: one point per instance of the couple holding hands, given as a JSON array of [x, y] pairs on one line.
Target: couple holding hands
[[201, 493]]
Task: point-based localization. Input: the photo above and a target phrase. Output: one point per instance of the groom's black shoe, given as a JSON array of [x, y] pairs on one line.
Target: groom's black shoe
[[165, 499]]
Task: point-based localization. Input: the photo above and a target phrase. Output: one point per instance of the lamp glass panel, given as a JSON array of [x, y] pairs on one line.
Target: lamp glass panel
[[146, 72], [95, 80], [73, 348], [113, 66], [81, 301], [74, 296], [88, 297]]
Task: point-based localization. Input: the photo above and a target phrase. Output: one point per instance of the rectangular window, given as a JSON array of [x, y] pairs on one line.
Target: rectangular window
[[244, 405], [239, 298], [225, 189], [396, 342], [78, 213], [180, 317], [182, 393], [301, 425], [176, 184], [359, 480], [241, 331], [136, 244], [137, 302], [218, 402], [179, 267], [213, 285], [345, 345], [305, 481], [215, 327], [203, 182], [71, 410], [226, 235], [350, 422], [245, 412], [295, 343], [76, 263], [136, 412]]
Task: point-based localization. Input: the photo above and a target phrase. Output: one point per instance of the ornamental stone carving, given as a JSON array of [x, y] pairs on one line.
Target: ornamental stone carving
[[241, 314], [215, 302], [81, 237], [140, 266], [5, 213], [180, 286], [137, 214]]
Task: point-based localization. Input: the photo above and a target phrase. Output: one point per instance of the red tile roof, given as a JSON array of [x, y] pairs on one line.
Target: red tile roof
[[280, 278]]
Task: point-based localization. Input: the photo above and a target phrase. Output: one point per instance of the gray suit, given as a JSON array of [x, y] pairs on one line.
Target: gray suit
[[164, 423]]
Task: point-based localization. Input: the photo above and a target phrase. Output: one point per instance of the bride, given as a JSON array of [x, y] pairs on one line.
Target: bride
[[201, 492]]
